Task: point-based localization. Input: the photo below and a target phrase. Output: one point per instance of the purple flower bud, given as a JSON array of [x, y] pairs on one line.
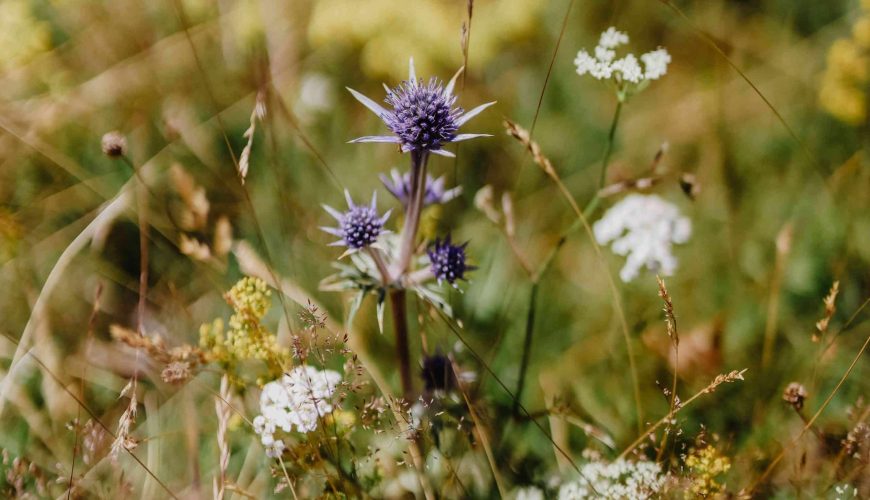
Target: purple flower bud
[[399, 185], [359, 226], [448, 261]]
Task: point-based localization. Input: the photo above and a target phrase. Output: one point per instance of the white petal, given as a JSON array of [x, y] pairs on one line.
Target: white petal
[[372, 105], [348, 198], [376, 138], [448, 90], [443, 152], [412, 73], [471, 114], [385, 218], [465, 137], [333, 212], [331, 230]]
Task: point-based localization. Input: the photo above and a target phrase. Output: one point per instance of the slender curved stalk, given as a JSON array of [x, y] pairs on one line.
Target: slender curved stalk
[[527, 347], [811, 421]]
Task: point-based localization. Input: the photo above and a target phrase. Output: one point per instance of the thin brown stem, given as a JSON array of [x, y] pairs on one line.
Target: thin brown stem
[[720, 379], [89, 338], [811, 421], [398, 305]]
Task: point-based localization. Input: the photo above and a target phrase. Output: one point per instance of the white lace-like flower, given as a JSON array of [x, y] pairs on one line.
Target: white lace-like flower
[[656, 63], [643, 227], [611, 38], [296, 400], [616, 480], [602, 64], [529, 493], [629, 68]]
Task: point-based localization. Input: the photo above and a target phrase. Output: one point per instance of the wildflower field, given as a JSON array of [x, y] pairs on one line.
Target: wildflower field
[[516, 249]]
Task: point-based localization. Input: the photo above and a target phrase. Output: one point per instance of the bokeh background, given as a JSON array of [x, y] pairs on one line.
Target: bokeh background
[[781, 210]]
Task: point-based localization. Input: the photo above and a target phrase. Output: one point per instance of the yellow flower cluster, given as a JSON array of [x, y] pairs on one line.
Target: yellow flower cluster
[[247, 337], [843, 91], [22, 35], [429, 30], [705, 464]]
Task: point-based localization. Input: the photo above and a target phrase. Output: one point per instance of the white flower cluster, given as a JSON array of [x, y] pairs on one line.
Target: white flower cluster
[[298, 399], [603, 64], [616, 480], [529, 493], [643, 227]]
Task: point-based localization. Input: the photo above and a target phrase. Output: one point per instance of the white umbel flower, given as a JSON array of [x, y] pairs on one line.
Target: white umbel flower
[[612, 38], [529, 493], [616, 480], [643, 228], [602, 63], [629, 68], [296, 400], [656, 63]]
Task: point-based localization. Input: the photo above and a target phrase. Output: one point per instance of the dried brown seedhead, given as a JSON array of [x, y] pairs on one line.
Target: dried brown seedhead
[[114, 144], [795, 394], [830, 308]]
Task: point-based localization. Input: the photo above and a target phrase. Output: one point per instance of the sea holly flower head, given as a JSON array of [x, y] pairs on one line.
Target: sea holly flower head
[[422, 116], [447, 261], [399, 185], [627, 72], [359, 226]]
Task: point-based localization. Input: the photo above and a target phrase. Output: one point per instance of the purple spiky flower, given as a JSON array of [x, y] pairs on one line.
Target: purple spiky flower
[[359, 226], [423, 116], [448, 261], [399, 185]]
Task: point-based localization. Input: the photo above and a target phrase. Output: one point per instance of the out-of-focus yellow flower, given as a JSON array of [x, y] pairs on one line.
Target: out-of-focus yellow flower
[[429, 30], [247, 337], [846, 58], [844, 102], [843, 88], [861, 32], [22, 36], [705, 464]]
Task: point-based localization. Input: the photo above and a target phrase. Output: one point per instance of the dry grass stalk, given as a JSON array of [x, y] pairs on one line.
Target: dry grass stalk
[[196, 204], [481, 433], [671, 325], [783, 249], [180, 361], [257, 114], [720, 379], [123, 439], [670, 319], [524, 137], [640, 184], [89, 339], [830, 308], [811, 421], [222, 409]]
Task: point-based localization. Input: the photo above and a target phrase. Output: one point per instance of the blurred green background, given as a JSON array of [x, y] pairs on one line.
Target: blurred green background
[[777, 220]]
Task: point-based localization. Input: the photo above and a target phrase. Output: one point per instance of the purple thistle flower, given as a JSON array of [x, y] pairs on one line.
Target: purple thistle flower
[[448, 261], [423, 116], [399, 185], [360, 226]]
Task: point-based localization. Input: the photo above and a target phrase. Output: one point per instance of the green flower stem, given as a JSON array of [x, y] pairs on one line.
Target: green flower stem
[[611, 136]]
